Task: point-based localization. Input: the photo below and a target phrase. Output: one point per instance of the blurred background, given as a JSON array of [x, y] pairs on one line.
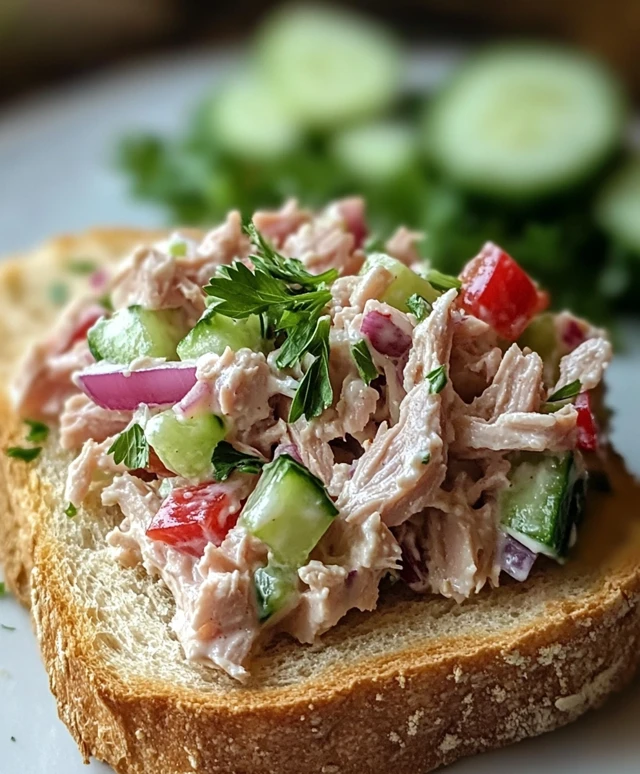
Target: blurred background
[[468, 121]]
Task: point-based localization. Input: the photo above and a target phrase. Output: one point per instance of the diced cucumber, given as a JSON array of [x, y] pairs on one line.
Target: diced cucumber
[[135, 332], [618, 206], [376, 153], [405, 283], [543, 502], [215, 332], [289, 510], [541, 336], [248, 122], [185, 446], [328, 66], [275, 588], [525, 121]]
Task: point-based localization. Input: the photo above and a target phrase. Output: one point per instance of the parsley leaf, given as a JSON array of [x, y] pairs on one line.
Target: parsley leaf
[[437, 379], [3, 589], [364, 362], [290, 270], [568, 392], [38, 431], [442, 281], [299, 338], [131, 448], [21, 453], [426, 458], [226, 459], [419, 306], [70, 511], [315, 393], [7, 628]]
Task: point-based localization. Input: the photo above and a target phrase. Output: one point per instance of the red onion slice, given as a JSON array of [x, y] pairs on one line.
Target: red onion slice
[[288, 448], [515, 559], [385, 336], [117, 389]]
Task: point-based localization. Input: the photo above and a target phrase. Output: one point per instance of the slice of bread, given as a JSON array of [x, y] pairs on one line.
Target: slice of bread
[[417, 684]]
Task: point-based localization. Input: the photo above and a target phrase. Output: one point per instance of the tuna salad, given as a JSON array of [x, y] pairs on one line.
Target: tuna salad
[[291, 416]]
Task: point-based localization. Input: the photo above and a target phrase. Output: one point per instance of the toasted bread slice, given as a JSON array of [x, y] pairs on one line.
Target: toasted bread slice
[[417, 684]]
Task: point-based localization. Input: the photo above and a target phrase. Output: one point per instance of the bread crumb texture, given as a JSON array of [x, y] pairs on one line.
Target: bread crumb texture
[[415, 685]]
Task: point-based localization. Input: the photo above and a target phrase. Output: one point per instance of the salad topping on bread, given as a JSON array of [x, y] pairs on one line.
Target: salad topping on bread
[[285, 418]]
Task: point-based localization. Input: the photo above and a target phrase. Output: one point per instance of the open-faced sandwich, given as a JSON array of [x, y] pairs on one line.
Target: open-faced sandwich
[[287, 500]]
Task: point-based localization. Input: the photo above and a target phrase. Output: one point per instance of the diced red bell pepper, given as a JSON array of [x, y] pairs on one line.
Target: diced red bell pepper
[[587, 426], [192, 517], [496, 290]]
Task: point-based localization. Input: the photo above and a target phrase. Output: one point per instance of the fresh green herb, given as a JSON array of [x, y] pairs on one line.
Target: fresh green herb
[[419, 307], [226, 459], [315, 394], [374, 244], [290, 270], [426, 458], [300, 332], [442, 281], [178, 248], [38, 431], [3, 589], [58, 293], [13, 739], [81, 266], [364, 362], [131, 448], [7, 628], [106, 302], [24, 454], [70, 511], [437, 379], [568, 392]]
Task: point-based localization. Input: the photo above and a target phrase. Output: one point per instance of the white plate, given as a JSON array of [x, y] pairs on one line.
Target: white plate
[[56, 176]]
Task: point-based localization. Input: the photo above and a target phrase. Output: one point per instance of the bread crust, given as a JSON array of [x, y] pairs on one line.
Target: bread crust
[[409, 710]]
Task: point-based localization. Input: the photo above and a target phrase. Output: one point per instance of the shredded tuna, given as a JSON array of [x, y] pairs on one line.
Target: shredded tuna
[[587, 363], [402, 246], [93, 459], [277, 225], [83, 420]]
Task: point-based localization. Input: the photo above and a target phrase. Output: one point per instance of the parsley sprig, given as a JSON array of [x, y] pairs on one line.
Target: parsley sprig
[[364, 362], [419, 307], [131, 448], [437, 379], [226, 458], [292, 302], [568, 392]]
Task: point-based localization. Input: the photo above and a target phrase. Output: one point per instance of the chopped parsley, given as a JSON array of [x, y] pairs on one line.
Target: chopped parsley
[[58, 293], [3, 589], [426, 458], [70, 511], [7, 628], [364, 362], [568, 392], [81, 266], [437, 379], [23, 453], [291, 302], [38, 431], [442, 282], [131, 448], [227, 458], [419, 307]]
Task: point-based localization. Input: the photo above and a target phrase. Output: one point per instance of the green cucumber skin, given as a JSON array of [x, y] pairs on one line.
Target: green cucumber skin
[[544, 501], [213, 333], [607, 109], [618, 207], [136, 332], [275, 586], [185, 446], [405, 283], [289, 510]]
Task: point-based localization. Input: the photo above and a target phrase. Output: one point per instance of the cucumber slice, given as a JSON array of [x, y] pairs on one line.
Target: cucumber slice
[[289, 510], [541, 336], [136, 332], [543, 502], [248, 122], [215, 332], [376, 153], [618, 207], [405, 284], [275, 588], [328, 66], [525, 121], [185, 446]]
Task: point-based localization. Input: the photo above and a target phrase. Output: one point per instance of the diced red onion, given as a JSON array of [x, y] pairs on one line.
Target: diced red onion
[[121, 390], [515, 559], [572, 335], [385, 336], [197, 399], [98, 279], [288, 448]]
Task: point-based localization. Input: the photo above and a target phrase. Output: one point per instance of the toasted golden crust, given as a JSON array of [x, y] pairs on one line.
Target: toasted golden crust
[[417, 684]]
